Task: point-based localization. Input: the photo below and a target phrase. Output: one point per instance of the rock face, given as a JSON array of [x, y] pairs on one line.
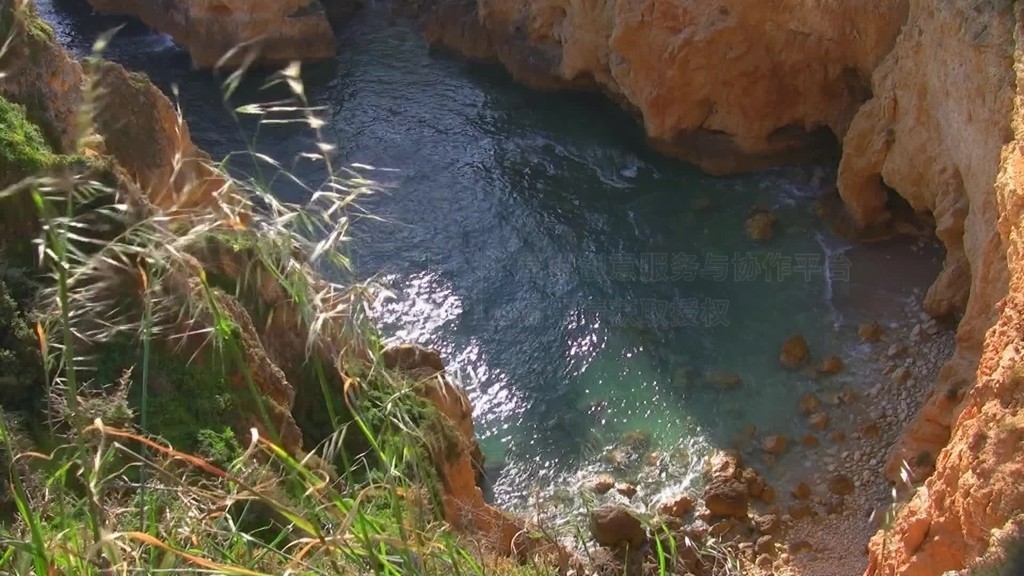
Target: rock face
[[956, 153], [729, 85], [924, 97], [281, 30]]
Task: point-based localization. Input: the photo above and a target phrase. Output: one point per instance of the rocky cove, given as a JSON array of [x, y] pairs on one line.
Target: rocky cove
[[921, 99]]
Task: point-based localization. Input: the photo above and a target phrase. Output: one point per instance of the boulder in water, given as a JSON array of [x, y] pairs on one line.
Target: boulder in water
[[831, 365], [819, 421], [870, 332], [809, 403], [761, 226], [615, 526], [775, 444], [795, 352]]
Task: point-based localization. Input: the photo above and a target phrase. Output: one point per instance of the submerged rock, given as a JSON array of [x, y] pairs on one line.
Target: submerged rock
[[795, 352], [819, 421], [870, 332], [725, 380], [761, 226], [615, 526], [775, 444], [831, 365], [809, 403]]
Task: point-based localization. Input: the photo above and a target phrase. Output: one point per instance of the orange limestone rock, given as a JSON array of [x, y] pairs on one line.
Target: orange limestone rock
[[280, 30], [731, 85]]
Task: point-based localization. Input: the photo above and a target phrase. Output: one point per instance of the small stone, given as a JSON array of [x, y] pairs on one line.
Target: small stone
[[768, 495], [726, 464], [848, 396], [795, 352], [901, 375], [819, 421], [810, 440], [721, 527], [841, 485], [831, 365], [802, 491], [725, 380], [676, 507], [764, 562], [833, 505], [626, 489], [761, 226], [799, 546], [765, 544], [615, 526], [870, 332], [896, 349], [726, 497], [837, 436], [767, 524], [774, 444], [802, 510], [754, 481], [809, 403], [601, 484]]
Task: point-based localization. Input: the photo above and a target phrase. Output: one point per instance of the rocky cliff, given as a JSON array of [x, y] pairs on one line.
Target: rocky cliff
[[924, 97], [156, 169], [279, 30], [729, 85]]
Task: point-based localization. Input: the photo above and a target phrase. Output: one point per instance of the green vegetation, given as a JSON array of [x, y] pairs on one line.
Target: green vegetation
[[23, 150]]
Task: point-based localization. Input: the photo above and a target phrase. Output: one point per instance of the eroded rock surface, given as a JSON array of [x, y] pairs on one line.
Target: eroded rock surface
[[281, 30]]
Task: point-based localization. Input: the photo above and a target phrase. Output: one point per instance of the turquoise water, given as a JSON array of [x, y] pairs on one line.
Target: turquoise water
[[580, 285]]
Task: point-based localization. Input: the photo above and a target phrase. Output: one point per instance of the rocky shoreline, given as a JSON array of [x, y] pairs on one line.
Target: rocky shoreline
[[806, 506]]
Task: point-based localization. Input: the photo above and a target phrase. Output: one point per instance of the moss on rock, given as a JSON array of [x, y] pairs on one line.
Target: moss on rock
[[23, 150]]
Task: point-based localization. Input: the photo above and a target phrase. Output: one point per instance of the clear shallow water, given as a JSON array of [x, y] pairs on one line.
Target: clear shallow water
[[581, 285]]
